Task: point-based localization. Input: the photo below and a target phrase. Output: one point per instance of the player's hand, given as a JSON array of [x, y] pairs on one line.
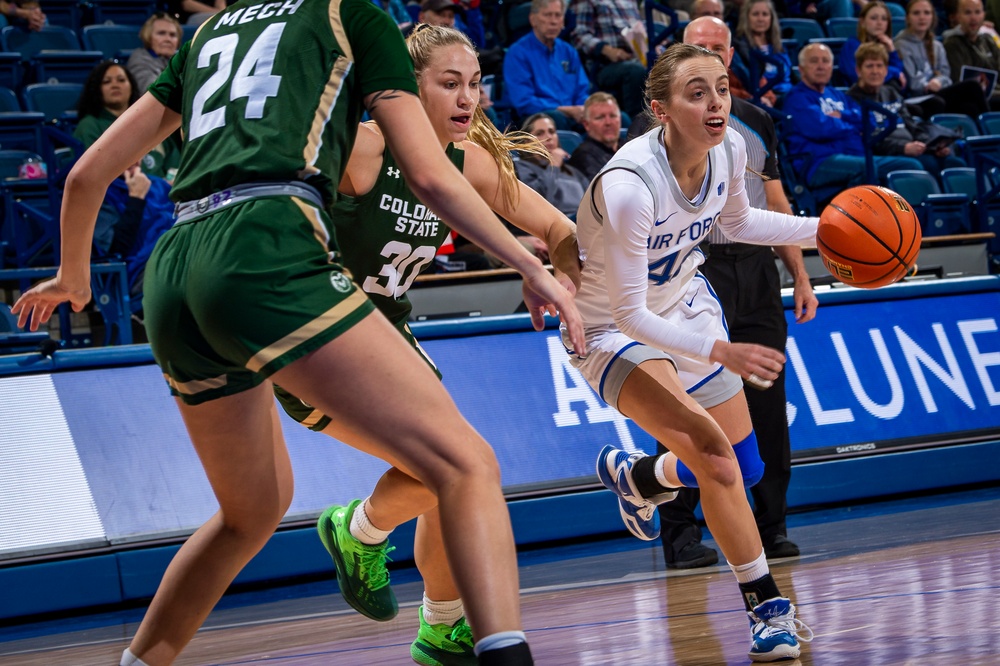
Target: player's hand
[[757, 364], [37, 304], [544, 294], [805, 302]]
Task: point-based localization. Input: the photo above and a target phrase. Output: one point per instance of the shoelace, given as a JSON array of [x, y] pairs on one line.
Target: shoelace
[[462, 634], [372, 560], [646, 511], [784, 624]]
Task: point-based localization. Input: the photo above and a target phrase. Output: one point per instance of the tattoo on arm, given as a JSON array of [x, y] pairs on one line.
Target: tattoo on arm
[[385, 94]]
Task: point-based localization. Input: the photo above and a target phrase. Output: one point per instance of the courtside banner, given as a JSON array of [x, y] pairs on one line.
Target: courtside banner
[[862, 378]]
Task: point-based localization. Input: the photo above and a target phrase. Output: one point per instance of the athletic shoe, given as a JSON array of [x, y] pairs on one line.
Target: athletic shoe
[[693, 556], [614, 469], [776, 631], [361, 572], [780, 546], [442, 644]]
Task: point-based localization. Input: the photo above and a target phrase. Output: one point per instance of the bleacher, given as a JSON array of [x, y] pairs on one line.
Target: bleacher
[[41, 74], [41, 78]]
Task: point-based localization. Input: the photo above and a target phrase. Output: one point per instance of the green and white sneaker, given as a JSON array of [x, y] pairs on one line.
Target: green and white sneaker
[[443, 645], [361, 572]]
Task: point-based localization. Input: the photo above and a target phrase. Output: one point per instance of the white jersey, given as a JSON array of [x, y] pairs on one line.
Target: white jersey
[[639, 237]]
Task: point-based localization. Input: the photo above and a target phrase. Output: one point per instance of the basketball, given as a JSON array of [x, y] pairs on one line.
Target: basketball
[[868, 237]]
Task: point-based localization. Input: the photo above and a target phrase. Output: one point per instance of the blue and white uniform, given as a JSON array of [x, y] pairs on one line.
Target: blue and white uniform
[[642, 296]]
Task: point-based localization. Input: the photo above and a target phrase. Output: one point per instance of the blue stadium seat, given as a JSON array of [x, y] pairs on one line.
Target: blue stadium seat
[[111, 40], [66, 13], [958, 121], [55, 100], [21, 131], [835, 44], [940, 214], [49, 38], [569, 140], [516, 24], [962, 180], [187, 32], [989, 122], [800, 29], [122, 12], [63, 66], [11, 70], [9, 103], [844, 26]]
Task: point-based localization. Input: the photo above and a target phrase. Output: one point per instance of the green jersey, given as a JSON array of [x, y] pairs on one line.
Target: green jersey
[[324, 56], [388, 236]]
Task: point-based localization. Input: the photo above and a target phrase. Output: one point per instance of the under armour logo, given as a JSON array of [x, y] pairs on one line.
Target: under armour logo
[[392, 172]]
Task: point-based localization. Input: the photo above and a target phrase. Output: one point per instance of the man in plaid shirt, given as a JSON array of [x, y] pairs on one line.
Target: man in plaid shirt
[[611, 62]]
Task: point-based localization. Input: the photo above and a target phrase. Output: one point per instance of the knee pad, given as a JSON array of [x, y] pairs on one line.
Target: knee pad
[[747, 455]]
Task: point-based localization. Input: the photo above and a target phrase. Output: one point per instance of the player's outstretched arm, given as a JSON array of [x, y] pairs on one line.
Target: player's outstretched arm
[[530, 212], [144, 125], [436, 182]]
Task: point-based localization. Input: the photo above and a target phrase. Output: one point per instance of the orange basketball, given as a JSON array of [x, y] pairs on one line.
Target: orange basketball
[[868, 237]]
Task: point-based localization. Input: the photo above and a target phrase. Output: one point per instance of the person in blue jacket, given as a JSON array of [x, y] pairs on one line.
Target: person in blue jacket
[[544, 74], [824, 127]]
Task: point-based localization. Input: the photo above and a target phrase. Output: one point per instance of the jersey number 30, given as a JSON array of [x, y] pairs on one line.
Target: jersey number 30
[[253, 78], [396, 277]]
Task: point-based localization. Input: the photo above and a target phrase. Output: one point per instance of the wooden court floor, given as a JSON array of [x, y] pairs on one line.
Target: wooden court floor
[[906, 582]]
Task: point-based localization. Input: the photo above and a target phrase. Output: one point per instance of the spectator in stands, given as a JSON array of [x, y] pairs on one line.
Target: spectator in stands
[[561, 184], [967, 46], [874, 25], [603, 121], [107, 92], [758, 30], [824, 129], [543, 73], [907, 138], [465, 16], [193, 12], [137, 207], [28, 13], [161, 37], [818, 10], [711, 8], [611, 63], [928, 73]]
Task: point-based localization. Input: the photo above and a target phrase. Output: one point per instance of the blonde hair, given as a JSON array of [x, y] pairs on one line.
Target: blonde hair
[[146, 31], [773, 32], [423, 42]]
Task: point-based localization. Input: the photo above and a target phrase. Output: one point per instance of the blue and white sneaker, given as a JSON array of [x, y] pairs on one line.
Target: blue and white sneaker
[[614, 469], [776, 631]]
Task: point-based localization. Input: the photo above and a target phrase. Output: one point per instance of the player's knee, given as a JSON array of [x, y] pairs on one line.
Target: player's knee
[[473, 460], [748, 456]]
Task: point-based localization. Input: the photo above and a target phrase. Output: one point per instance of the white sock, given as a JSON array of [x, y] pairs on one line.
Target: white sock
[[442, 612], [661, 475], [129, 659], [748, 573], [362, 528], [499, 640]]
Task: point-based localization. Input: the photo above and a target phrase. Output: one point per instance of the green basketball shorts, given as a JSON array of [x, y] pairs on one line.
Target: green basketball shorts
[[242, 291]]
